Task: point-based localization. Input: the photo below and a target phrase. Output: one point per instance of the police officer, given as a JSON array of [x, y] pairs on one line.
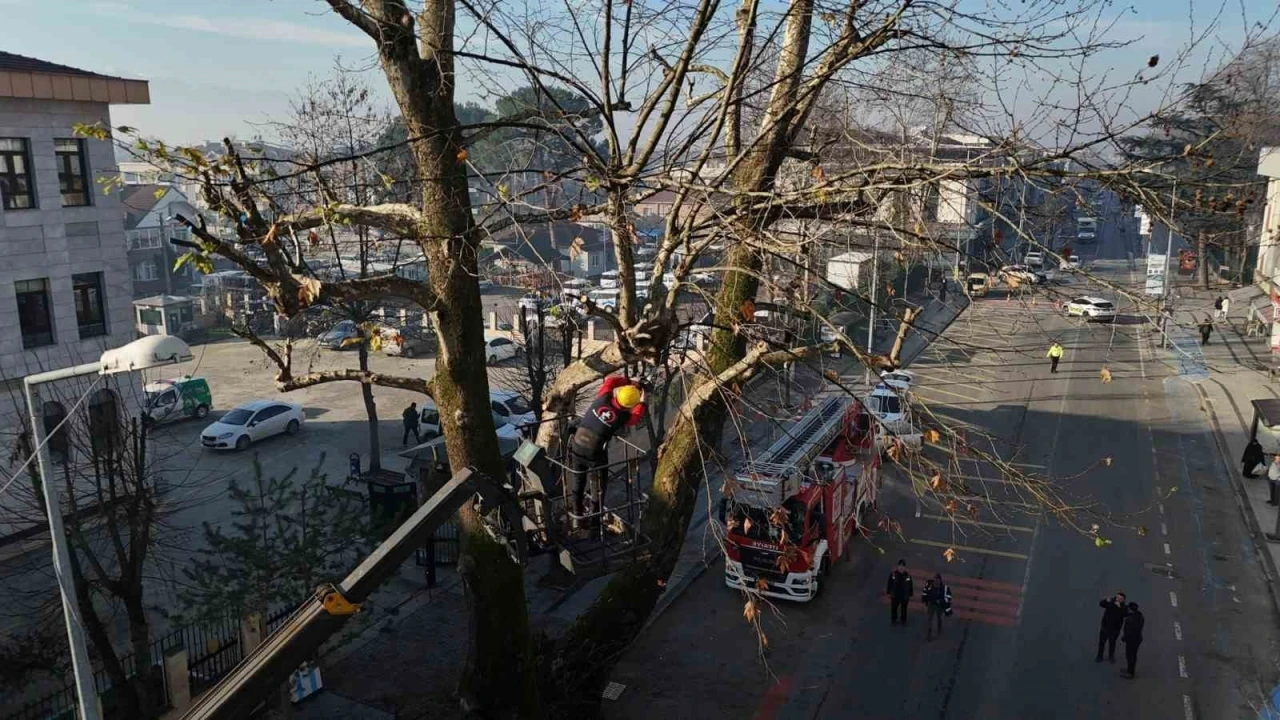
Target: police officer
[[618, 404]]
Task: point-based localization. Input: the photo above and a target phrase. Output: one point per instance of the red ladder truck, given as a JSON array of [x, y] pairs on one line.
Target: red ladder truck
[[791, 511]]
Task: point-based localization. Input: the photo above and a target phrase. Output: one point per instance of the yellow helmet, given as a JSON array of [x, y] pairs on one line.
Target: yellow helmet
[[628, 396]]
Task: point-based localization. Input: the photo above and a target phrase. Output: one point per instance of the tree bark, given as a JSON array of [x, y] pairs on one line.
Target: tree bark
[[1202, 256], [371, 410]]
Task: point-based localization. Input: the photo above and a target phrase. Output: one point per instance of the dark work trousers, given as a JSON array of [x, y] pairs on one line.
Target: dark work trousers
[[581, 462], [1131, 654], [942, 292], [1108, 637], [896, 604], [935, 612], [1053, 364], [1275, 491], [410, 429]]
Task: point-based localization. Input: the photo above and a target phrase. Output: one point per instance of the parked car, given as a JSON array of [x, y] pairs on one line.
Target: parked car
[[184, 397], [250, 422], [512, 408], [1071, 264], [485, 284], [1034, 259], [429, 425], [977, 284], [343, 336], [1021, 274], [497, 349], [408, 342], [703, 278], [896, 379], [532, 301], [1091, 308]]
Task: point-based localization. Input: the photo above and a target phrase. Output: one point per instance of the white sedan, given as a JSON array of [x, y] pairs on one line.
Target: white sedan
[[497, 349], [251, 422], [1091, 308]]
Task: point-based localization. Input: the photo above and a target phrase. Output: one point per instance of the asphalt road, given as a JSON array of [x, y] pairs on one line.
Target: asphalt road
[[1133, 456]]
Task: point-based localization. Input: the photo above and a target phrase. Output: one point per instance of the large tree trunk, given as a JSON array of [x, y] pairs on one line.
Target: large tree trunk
[[144, 682], [498, 677], [371, 410]]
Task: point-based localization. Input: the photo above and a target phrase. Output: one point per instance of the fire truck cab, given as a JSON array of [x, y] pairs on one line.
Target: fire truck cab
[[791, 512]]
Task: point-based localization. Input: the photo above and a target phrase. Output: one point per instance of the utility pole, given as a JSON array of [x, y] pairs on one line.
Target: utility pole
[[1168, 250]]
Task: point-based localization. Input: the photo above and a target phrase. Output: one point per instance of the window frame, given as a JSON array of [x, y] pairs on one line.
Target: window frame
[[99, 327], [155, 271], [65, 159], [35, 339], [28, 173]]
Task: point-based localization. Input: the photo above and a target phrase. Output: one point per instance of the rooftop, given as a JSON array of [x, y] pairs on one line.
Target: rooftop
[[27, 77]]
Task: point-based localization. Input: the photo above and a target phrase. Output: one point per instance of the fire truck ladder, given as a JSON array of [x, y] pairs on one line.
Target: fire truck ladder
[[805, 441]]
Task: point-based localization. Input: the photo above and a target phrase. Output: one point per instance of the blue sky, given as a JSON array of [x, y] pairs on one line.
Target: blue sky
[[219, 67]]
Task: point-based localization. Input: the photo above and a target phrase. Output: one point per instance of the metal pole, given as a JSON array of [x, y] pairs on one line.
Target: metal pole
[[80, 662], [871, 321]]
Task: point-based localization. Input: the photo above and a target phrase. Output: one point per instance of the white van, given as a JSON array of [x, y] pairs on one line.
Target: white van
[[609, 280], [607, 299], [574, 289]]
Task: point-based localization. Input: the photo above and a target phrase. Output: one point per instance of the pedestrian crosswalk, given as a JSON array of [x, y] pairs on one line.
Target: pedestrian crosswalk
[[979, 600]]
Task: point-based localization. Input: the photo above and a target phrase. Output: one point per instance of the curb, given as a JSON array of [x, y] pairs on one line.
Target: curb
[[1260, 543]]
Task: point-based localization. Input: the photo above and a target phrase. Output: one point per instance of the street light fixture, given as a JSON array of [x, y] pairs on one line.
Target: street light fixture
[[148, 352]]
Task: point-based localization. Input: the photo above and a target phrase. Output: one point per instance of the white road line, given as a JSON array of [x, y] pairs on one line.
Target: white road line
[[1186, 708], [1164, 529], [1166, 549], [1177, 631], [1161, 506], [1182, 667], [1173, 598]]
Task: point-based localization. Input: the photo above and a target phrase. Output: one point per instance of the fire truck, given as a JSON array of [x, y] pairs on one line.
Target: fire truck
[[791, 511]]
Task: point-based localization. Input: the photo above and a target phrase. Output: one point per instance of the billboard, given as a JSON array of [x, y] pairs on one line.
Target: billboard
[[1157, 266]]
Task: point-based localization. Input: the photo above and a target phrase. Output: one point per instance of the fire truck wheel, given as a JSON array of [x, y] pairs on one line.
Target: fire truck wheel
[[824, 570]]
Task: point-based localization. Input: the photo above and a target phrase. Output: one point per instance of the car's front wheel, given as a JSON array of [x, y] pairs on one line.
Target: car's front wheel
[[493, 359], [202, 411], [242, 442], [292, 427]]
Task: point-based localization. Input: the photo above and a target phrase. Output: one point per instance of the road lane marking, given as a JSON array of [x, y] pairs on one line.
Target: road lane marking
[[1182, 667], [953, 580], [966, 521], [1186, 708], [1173, 598], [1166, 549], [970, 398], [1161, 506], [969, 548], [1177, 631], [1164, 529]]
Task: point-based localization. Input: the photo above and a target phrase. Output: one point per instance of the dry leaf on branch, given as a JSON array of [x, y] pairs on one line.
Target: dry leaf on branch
[[932, 436], [308, 291], [1106, 461], [463, 155], [950, 554], [751, 611], [748, 310], [938, 483]]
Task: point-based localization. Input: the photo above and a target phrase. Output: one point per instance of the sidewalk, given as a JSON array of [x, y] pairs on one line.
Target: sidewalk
[[1227, 374]]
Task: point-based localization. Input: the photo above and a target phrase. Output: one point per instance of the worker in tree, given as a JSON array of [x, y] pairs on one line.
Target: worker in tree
[[618, 404]]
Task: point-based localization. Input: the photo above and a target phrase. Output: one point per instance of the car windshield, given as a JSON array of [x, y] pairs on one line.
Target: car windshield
[[239, 416], [1103, 305], [517, 405], [761, 530], [154, 396]]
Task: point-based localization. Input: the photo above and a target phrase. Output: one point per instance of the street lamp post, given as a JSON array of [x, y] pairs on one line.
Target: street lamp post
[[140, 354]]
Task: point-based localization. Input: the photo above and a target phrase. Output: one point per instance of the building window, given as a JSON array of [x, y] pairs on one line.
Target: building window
[[91, 314], [104, 424], [35, 312], [55, 431], [16, 184], [71, 171], [145, 239], [145, 271], [150, 316]]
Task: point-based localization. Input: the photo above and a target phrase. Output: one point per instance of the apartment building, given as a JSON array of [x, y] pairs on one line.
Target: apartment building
[[65, 287]]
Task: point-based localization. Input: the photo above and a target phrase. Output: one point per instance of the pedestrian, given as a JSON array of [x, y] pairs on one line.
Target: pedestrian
[[1273, 479], [1054, 355], [1132, 636], [1226, 307], [1114, 611], [942, 290], [619, 403], [411, 420], [899, 591], [1217, 307], [1252, 459], [937, 602], [1206, 329]]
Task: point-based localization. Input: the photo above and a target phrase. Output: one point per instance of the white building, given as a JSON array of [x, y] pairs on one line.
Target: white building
[[1269, 240], [65, 287]]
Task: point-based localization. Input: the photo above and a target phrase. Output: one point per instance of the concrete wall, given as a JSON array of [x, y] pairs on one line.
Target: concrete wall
[[54, 242]]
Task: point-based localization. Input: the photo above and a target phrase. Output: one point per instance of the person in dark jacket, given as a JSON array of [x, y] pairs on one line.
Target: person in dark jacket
[[937, 601], [1252, 458], [1132, 636], [410, 416], [618, 404], [1206, 330], [899, 591], [1114, 611]]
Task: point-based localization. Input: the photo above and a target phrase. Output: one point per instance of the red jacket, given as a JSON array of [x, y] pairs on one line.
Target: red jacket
[[613, 382]]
